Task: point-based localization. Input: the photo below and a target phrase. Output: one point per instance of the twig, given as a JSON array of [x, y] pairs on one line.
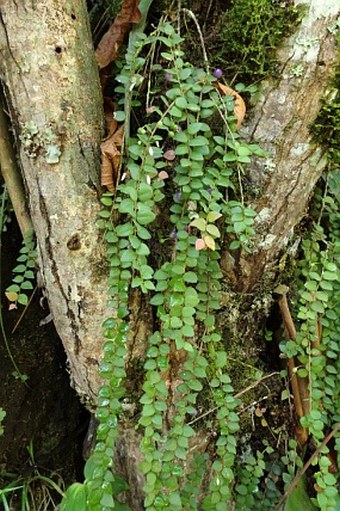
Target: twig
[[193, 17], [11, 174], [306, 466], [287, 318], [24, 311], [296, 382], [250, 387], [253, 385]]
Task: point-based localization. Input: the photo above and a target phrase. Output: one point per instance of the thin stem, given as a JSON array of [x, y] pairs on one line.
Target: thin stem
[[11, 174], [2, 325], [298, 476], [205, 56], [24, 311]]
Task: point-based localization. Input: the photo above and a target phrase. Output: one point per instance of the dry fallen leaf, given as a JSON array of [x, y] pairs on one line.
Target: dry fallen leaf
[[109, 44], [240, 107], [111, 123], [111, 155]]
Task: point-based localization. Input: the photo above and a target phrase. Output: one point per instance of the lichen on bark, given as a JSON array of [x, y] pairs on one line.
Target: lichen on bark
[[51, 81]]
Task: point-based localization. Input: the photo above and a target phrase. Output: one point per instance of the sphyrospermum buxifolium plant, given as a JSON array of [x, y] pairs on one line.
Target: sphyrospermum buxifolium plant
[[318, 319], [24, 272], [181, 174]]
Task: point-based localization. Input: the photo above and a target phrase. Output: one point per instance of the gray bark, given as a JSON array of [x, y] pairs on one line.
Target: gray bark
[[48, 68], [280, 123], [49, 72]]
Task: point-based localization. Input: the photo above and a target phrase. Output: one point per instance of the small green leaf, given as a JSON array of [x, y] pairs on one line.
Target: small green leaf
[[195, 127], [142, 232], [199, 223], [176, 112], [213, 230], [234, 245], [328, 275], [199, 141], [22, 299], [21, 268], [190, 277], [14, 288], [124, 230], [106, 200], [27, 285], [144, 214], [119, 115], [181, 102], [212, 216]]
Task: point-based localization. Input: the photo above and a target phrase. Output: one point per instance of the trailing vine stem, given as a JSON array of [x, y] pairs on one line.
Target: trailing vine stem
[[185, 354], [187, 161]]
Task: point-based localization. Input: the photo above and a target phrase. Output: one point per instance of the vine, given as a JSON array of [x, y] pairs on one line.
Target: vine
[[181, 191], [185, 354], [317, 346]]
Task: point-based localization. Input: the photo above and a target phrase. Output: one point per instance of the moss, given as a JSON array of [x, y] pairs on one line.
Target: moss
[[248, 35], [326, 128]]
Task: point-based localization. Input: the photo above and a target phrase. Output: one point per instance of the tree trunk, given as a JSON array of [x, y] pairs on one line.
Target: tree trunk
[[280, 123], [51, 81], [53, 91]]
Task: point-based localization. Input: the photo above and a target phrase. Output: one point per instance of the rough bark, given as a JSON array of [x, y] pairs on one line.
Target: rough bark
[[280, 123], [51, 79]]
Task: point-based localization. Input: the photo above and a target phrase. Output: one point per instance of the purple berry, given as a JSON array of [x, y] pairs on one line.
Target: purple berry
[[218, 72]]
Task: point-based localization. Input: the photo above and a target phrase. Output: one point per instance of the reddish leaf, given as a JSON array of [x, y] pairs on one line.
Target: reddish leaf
[[169, 155], [200, 244], [109, 45], [240, 107]]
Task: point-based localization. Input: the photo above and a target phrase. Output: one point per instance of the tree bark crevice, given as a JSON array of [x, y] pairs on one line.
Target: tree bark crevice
[[51, 77], [280, 123]]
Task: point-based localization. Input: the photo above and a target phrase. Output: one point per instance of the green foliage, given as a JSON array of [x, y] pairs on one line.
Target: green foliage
[[33, 491], [299, 498], [2, 416], [318, 314], [4, 206], [76, 497], [326, 127], [191, 183], [24, 272], [253, 30], [6, 209], [187, 162], [250, 474]]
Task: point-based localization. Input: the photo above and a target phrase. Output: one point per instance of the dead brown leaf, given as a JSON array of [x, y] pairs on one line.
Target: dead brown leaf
[[111, 155], [109, 44], [240, 106], [110, 122]]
